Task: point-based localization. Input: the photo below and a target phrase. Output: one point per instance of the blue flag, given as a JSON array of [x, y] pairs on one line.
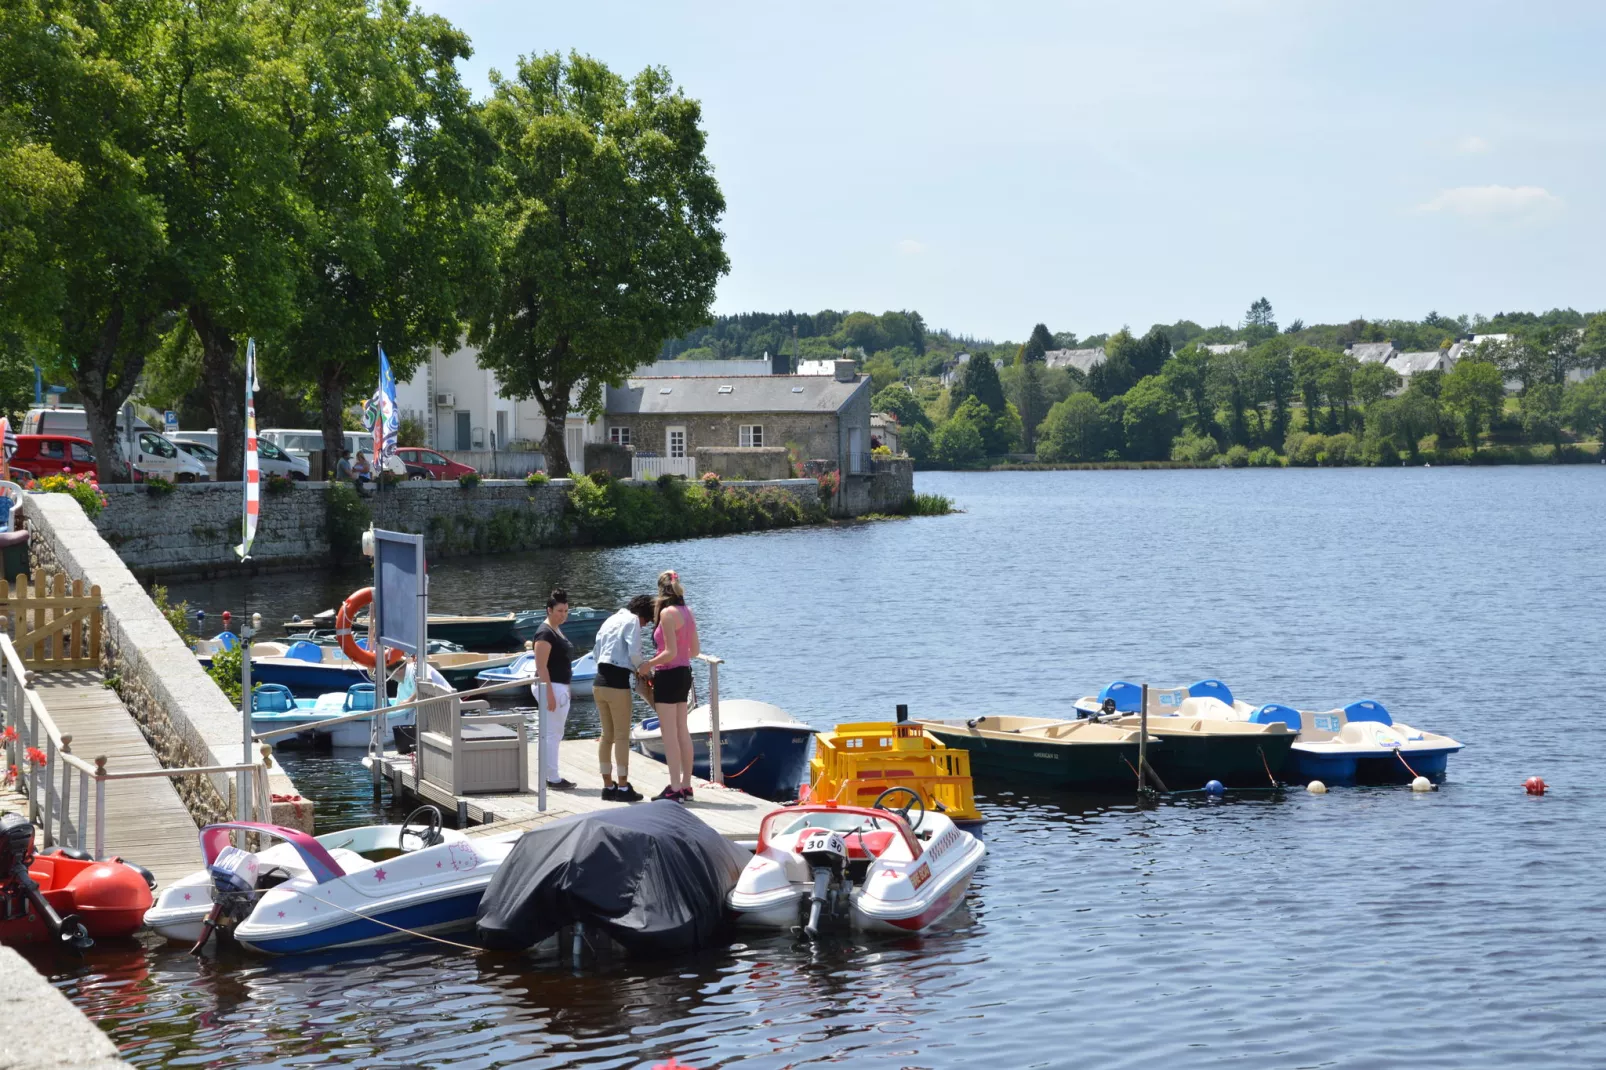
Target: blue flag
[[383, 415]]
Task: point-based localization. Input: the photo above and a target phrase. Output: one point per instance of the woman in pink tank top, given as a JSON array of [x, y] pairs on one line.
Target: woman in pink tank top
[[676, 640]]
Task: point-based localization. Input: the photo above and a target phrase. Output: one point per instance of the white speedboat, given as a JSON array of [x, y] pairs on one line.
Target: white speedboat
[[362, 886], [876, 866], [762, 749], [523, 668]]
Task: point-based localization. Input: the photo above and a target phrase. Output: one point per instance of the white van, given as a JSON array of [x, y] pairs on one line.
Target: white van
[[271, 460], [152, 454], [301, 441]]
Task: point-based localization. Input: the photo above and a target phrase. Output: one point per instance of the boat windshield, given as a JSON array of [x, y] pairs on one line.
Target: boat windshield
[[848, 822]]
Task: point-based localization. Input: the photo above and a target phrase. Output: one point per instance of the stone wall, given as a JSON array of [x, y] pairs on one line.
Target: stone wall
[[43, 1030], [185, 718], [889, 485], [733, 462]]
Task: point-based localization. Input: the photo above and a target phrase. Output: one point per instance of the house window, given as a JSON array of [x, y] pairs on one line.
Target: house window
[[619, 436], [752, 435], [675, 442]]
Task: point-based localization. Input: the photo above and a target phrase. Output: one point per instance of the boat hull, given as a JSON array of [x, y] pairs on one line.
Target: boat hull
[[434, 916], [1190, 760], [1337, 768], [1090, 766], [768, 762], [301, 676]]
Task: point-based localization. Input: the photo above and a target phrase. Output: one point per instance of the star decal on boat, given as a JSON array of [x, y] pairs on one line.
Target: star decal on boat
[[379, 874], [186, 897], [281, 913]]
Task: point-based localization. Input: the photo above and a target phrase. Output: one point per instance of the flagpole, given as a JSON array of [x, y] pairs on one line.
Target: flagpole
[[250, 475]]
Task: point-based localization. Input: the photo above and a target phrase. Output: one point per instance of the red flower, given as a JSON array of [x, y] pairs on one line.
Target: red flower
[[9, 734], [36, 757], [11, 774]]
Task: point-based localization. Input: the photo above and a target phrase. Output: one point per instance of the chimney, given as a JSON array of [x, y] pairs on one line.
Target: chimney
[[847, 371], [780, 364]]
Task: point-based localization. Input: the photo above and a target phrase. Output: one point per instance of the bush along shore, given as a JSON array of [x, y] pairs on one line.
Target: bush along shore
[[608, 511]]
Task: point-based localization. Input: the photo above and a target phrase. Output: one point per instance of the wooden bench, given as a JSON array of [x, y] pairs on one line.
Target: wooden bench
[[463, 751]]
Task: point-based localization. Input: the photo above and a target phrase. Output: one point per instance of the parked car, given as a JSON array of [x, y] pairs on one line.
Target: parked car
[[67, 420], [271, 460], [437, 465], [38, 456]]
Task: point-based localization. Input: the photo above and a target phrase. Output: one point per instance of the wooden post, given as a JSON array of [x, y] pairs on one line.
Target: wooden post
[[1143, 740]]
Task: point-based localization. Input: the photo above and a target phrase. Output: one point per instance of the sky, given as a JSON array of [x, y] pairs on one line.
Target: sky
[[1125, 163]]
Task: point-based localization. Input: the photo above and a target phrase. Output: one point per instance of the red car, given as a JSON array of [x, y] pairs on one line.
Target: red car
[[437, 466], [38, 456]]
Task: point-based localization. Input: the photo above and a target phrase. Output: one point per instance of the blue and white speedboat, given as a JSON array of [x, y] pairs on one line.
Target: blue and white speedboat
[[1358, 744], [523, 668], [763, 750], [273, 706], [343, 889]]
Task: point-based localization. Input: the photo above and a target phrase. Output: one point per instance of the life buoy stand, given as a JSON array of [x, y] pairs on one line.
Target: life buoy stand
[[359, 600]]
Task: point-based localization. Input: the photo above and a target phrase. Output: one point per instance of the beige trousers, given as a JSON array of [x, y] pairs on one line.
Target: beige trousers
[[613, 710]]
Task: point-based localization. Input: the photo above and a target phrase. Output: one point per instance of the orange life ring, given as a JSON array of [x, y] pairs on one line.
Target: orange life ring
[[348, 642]]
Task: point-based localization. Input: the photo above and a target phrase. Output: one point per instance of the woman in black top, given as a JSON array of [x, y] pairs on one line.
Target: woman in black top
[[554, 669]]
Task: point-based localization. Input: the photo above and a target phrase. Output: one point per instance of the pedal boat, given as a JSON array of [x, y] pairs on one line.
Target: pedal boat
[[273, 706], [1208, 734], [855, 763], [880, 869], [1359, 744], [362, 886], [583, 673], [1076, 755]]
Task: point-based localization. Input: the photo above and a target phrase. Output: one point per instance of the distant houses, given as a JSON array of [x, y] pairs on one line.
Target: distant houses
[[1083, 360], [1407, 364]]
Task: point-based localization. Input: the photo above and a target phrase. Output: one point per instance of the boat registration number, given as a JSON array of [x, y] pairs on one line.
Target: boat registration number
[[920, 876], [822, 842]]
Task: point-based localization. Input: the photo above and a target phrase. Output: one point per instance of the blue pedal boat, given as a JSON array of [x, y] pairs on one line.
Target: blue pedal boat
[[1359, 744], [273, 706]]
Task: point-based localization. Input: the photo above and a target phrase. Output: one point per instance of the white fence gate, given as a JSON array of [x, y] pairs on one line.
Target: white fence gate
[[653, 467]]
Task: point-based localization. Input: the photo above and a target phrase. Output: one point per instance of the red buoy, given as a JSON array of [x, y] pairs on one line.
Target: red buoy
[[227, 616], [1534, 785]]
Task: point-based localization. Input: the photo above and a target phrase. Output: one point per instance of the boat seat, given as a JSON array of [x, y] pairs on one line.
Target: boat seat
[[272, 698], [868, 844], [302, 650]]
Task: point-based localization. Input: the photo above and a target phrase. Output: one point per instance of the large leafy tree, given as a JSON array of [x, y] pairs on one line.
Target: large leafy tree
[[900, 401], [1149, 419], [1040, 342], [1188, 376], [1073, 431], [392, 161], [1374, 381], [606, 232], [78, 94], [1585, 408], [1473, 392]]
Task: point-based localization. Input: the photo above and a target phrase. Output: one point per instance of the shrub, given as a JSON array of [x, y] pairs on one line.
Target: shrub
[[278, 484], [346, 517], [665, 481], [881, 451], [157, 487], [927, 505], [411, 433], [1265, 457], [1237, 457], [84, 490], [1339, 450], [537, 479], [225, 672], [387, 478], [618, 512], [601, 477], [177, 615], [829, 482], [710, 479], [469, 479], [1193, 448], [1304, 448]]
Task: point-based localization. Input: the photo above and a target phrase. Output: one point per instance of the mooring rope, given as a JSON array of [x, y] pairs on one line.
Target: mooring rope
[[388, 925]]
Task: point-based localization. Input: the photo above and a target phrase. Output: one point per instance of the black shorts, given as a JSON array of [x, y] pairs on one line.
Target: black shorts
[[670, 686]]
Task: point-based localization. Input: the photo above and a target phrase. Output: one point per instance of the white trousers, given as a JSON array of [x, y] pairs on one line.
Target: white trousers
[[556, 718]]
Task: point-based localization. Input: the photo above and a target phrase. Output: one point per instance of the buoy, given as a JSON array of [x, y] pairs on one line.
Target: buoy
[[1421, 783], [200, 614], [1316, 787], [1534, 785], [295, 619], [227, 616], [256, 620], [1215, 787]]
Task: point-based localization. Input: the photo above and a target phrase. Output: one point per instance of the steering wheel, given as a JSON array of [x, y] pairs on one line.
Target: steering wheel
[[428, 832], [915, 803]]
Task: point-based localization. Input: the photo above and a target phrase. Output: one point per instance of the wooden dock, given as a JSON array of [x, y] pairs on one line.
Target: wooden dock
[[146, 821], [733, 813]]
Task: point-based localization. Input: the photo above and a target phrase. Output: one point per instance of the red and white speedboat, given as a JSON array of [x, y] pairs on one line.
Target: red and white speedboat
[[886, 870]]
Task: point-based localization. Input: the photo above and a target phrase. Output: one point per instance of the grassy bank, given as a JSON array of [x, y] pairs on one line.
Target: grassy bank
[[610, 512]]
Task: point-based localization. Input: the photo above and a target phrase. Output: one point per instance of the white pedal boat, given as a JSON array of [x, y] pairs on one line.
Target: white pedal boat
[[583, 679], [362, 886], [883, 871]]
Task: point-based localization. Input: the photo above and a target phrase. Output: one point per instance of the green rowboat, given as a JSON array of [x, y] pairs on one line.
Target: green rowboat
[[1070, 755]]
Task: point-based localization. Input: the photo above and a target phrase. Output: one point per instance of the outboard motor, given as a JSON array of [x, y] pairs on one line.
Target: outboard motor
[[19, 893], [826, 855], [234, 886]]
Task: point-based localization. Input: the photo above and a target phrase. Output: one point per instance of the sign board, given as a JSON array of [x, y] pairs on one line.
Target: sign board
[[170, 420], [400, 591]]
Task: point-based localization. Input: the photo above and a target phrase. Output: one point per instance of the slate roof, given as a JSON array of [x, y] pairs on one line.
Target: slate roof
[[756, 393], [1227, 347], [1408, 364], [1083, 360], [1372, 352]]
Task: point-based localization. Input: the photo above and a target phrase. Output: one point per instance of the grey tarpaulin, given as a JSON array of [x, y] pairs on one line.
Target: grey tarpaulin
[[652, 876]]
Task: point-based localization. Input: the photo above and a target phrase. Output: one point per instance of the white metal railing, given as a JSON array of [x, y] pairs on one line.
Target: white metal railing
[[50, 789], [653, 467]]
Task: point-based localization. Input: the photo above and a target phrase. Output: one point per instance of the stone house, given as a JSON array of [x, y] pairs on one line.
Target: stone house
[[824, 417]]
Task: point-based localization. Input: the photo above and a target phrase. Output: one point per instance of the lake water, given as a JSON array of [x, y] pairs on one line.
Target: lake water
[[1364, 928]]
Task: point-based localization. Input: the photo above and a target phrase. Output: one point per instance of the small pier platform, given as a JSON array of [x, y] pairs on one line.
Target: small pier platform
[[733, 813]]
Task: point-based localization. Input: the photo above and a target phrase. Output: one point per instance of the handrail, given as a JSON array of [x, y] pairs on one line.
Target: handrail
[[23, 709]]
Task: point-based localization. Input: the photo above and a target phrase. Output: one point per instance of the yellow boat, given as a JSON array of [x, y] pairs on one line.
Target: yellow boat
[[854, 763]]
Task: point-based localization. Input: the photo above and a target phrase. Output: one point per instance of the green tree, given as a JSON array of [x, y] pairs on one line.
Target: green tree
[[1259, 323], [1309, 365], [1592, 346], [957, 441], [1584, 406], [1474, 392], [1040, 342], [1374, 381], [1150, 420], [978, 378], [1030, 399], [1400, 422], [1232, 382], [1113, 376], [882, 372], [606, 226], [1188, 378], [1073, 431], [863, 331], [1337, 381], [1542, 414], [1272, 380], [915, 440], [900, 401]]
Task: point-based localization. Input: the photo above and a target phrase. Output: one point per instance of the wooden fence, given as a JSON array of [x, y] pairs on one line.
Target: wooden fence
[[54, 622]]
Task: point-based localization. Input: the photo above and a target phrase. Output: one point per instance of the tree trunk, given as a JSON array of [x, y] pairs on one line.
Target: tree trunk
[[556, 407], [225, 392], [331, 411], [101, 402]]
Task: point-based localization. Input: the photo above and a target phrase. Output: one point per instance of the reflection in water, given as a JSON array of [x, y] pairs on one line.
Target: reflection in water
[[1367, 927]]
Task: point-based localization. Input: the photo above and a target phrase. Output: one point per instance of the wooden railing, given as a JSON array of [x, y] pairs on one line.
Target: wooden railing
[[63, 779], [54, 623]]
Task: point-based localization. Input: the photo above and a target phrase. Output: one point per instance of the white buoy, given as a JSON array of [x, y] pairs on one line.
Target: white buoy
[[1316, 787], [1421, 783]]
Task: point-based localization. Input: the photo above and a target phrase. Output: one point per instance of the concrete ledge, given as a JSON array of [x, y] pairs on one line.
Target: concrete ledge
[[43, 1030]]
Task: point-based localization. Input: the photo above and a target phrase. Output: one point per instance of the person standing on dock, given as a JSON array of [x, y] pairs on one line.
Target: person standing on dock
[[619, 657], [676, 640], [554, 657]]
